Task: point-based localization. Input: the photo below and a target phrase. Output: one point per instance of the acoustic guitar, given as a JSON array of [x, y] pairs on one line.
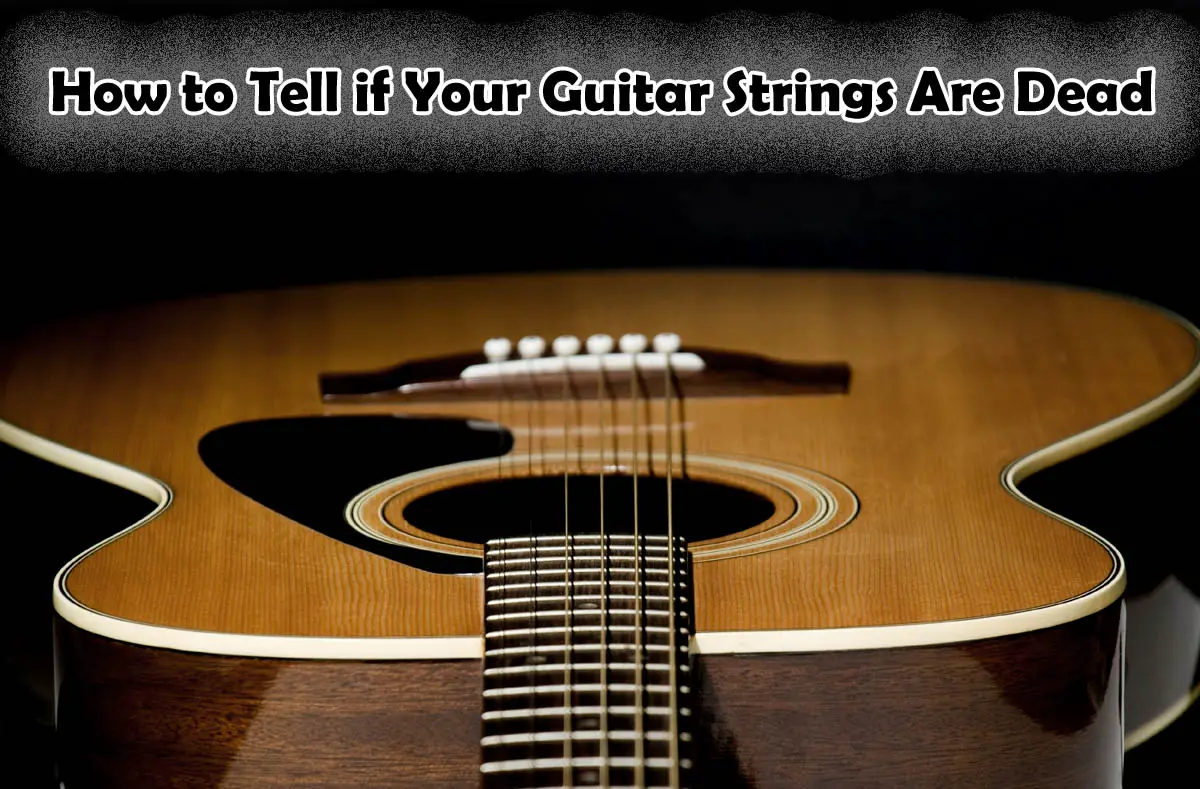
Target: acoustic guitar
[[600, 530]]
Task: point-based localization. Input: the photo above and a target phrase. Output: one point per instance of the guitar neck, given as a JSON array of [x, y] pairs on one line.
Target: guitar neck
[[586, 663]]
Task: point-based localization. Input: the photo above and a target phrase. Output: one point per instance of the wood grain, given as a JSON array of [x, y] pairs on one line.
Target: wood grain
[[1038, 710], [131, 718], [952, 380]]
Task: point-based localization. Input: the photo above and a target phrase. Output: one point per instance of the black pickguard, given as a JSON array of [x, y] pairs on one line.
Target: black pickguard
[[309, 468]]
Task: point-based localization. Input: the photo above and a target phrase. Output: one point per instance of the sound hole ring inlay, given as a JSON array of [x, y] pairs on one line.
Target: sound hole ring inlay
[[807, 505]]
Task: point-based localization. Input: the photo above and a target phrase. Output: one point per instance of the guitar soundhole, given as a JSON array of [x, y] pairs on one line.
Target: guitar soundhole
[[518, 506]]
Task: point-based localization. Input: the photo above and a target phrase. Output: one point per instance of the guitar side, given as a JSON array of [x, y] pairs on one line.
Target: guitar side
[[1040, 710]]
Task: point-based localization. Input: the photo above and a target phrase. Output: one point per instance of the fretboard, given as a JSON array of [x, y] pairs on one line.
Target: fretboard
[[586, 663]]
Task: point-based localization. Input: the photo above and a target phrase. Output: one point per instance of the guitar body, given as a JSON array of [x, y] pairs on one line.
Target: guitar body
[[871, 601]]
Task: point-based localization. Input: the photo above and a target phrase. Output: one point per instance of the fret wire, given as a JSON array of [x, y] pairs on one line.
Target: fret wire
[[645, 570], [586, 553], [558, 736], [555, 598], [555, 585], [504, 670], [636, 688], [555, 712], [576, 648], [583, 628], [574, 613], [579, 538], [590, 761], [555, 553], [541, 701]]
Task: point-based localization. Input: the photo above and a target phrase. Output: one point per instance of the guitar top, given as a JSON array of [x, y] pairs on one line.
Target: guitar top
[[954, 382]]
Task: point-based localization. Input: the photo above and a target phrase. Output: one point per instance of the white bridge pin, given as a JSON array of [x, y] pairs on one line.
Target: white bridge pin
[[632, 343], [666, 343], [566, 345], [599, 344], [531, 347], [497, 349]]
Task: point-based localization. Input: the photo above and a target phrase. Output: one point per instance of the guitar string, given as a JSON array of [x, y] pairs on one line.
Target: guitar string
[[601, 392], [681, 404], [534, 405], [542, 431], [568, 592], [505, 403], [537, 406], [639, 755], [673, 734], [500, 429], [648, 413]]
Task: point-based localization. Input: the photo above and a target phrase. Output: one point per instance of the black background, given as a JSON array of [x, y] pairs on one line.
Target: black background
[[75, 243], [85, 241]]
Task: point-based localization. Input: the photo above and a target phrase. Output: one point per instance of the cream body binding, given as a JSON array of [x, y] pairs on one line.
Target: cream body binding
[[725, 642]]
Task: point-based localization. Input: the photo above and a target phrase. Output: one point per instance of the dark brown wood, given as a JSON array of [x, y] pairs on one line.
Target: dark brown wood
[[726, 373], [131, 717], [1040, 709]]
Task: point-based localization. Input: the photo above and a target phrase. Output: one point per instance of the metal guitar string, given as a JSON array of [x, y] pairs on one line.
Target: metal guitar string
[[496, 350], [639, 754], [673, 735], [564, 349], [542, 429], [500, 402], [601, 392], [529, 349]]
